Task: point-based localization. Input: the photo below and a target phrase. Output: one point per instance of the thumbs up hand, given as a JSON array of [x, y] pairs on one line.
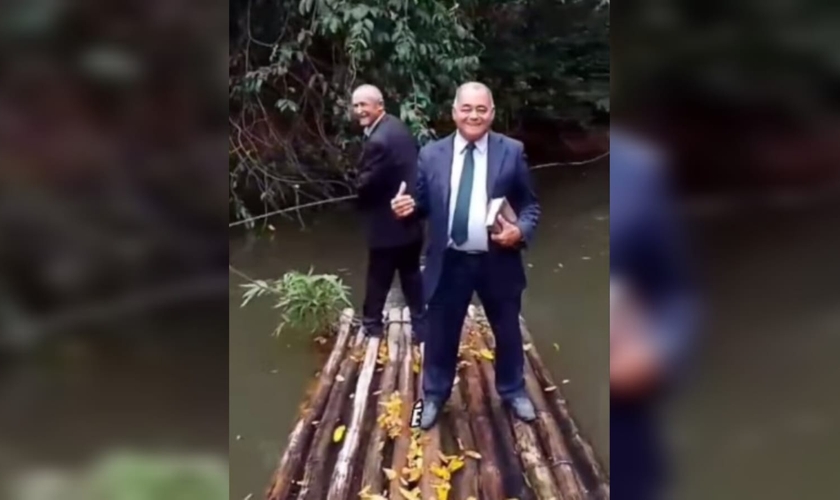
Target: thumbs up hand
[[402, 204]]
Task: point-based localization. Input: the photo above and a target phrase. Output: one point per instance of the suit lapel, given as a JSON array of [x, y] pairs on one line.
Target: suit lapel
[[446, 152], [495, 157], [376, 127]]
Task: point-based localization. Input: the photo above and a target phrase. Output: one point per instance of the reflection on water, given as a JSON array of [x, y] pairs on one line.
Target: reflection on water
[[568, 269]]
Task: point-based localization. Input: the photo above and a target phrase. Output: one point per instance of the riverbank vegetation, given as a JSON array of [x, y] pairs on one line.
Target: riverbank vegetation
[[293, 65], [308, 302]]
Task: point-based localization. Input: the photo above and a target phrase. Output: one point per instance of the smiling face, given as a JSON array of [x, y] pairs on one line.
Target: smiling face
[[473, 111], [367, 106]]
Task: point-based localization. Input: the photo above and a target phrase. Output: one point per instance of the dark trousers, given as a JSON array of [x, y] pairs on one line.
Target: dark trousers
[[463, 274], [637, 454], [383, 263]]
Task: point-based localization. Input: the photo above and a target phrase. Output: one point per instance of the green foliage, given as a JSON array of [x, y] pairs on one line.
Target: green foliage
[[291, 138], [294, 64], [545, 58], [309, 302]]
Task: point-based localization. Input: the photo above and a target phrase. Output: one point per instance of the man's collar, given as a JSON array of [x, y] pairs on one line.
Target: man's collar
[[369, 130], [480, 145]]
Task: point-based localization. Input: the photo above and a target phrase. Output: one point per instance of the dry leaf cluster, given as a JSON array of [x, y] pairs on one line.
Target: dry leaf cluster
[[390, 417], [382, 357], [410, 475]]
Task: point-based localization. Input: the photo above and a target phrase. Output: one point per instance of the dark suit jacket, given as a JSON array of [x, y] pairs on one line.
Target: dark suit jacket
[[389, 157], [507, 175]]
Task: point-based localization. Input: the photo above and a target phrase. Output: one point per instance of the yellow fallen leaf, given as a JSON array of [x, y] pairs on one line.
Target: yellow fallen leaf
[[391, 474], [473, 454], [455, 464], [551, 388], [441, 472], [415, 473], [338, 434], [410, 495], [442, 491], [486, 354], [365, 492]]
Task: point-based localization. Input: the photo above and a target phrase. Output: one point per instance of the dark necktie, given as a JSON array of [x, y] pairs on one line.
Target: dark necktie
[[461, 218]]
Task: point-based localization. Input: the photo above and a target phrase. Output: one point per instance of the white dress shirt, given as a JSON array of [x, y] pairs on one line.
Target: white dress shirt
[[477, 231]]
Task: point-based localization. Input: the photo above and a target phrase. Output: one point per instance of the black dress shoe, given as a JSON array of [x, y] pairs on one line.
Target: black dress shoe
[[523, 408], [431, 411]]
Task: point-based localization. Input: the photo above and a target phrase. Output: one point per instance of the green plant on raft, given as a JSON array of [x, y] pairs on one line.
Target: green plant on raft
[[308, 302]]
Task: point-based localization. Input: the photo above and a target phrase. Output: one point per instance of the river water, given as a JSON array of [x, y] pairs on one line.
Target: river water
[[565, 304], [759, 418]]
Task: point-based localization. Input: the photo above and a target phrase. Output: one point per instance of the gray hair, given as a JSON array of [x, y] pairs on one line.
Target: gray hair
[[370, 91], [474, 86]]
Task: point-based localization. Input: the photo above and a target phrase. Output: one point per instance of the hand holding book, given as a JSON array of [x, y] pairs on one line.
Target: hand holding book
[[501, 223]]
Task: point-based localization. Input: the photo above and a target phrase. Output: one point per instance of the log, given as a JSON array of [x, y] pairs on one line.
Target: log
[[536, 470], [465, 483], [291, 462], [557, 455], [502, 421], [586, 463], [482, 428], [346, 462], [372, 475], [406, 388], [431, 452], [312, 484], [538, 473]]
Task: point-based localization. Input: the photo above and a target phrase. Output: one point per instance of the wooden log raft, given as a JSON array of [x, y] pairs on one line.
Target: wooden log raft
[[301, 435], [586, 462], [406, 391], [354, 441], [372, 475], [552, 453], [466, 483]]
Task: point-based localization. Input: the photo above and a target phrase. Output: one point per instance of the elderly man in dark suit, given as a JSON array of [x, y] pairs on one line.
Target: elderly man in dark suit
[[653, 313], [457, 177], [389, 159]]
